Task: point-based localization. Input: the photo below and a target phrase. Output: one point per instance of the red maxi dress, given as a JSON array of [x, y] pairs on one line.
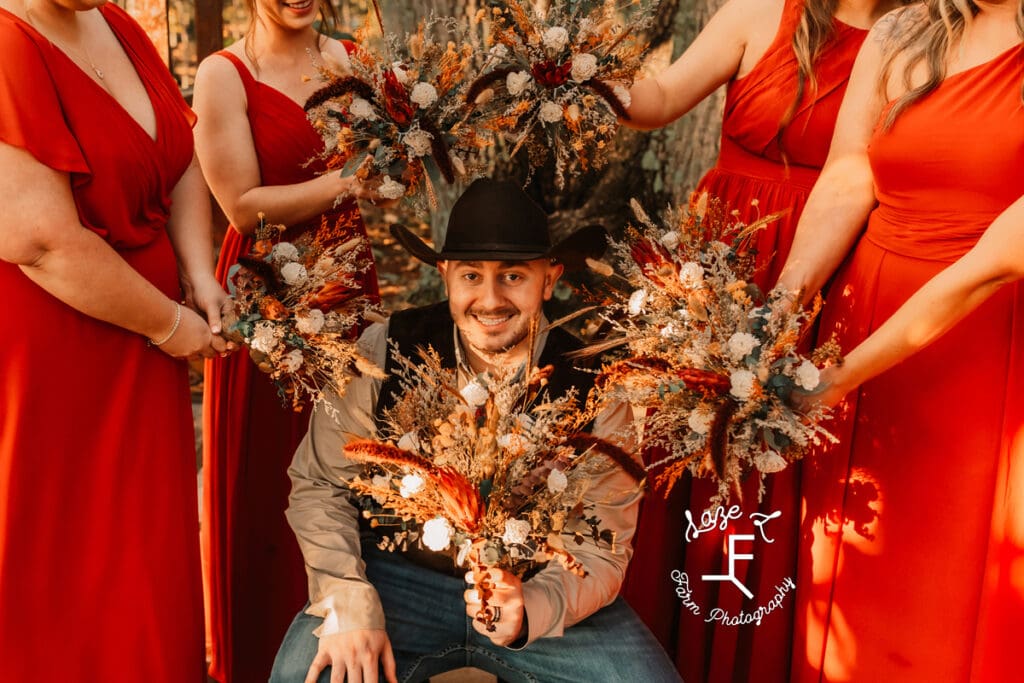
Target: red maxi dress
[[99, 535], [754, 164], [911, 563], [255, 578]]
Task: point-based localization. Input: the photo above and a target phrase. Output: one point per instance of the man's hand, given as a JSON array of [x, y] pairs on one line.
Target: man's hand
[[507, 597], [356, 654]]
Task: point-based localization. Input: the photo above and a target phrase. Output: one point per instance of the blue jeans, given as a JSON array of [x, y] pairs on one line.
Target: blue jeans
[[430, 634]]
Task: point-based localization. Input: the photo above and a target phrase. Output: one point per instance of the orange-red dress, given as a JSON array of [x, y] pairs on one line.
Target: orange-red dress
[[911, 565], [255, 578], [755, 163], [99, 543]]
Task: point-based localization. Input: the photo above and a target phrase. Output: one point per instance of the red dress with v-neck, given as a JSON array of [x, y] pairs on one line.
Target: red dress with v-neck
[[755, 163], [254, 574], [99, 551], [912, 562]]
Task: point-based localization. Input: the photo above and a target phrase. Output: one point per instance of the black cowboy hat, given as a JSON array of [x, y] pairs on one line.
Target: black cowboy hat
[[494, 220]]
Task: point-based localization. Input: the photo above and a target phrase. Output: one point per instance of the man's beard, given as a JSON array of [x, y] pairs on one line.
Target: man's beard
[[483, 343]]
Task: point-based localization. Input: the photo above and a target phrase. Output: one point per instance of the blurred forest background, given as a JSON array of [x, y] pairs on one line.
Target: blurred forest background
[[657, 167]]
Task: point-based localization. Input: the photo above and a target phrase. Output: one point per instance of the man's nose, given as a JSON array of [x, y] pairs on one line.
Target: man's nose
[[491, 295]]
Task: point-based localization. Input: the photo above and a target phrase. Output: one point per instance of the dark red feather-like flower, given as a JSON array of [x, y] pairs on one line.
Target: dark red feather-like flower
[[551, 74], [396, 100]]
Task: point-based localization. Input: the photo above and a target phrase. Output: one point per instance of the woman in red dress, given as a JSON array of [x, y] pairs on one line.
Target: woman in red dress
[[787, 64], [99, 551], [255, 145], [910, 562]]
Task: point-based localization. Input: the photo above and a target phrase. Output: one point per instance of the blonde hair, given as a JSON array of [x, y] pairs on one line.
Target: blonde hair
[[928, 38], [817, 23]]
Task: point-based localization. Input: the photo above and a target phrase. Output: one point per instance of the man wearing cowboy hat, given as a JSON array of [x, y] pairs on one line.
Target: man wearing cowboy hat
[[410, 615]]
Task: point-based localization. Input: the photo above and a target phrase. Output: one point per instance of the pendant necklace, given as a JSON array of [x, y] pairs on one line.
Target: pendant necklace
[[62, 45]]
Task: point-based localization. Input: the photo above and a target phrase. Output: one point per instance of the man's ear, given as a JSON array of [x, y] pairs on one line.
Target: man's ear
[[442, 268], [554, 272]]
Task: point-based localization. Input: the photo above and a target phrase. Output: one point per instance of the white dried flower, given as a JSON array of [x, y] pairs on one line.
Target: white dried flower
[[700, 420], [292, 361], [499, 50], [517, 531], [808, 376], [400, 73], [418, 142], [584, 67], [475, 394], [284, 251], [623, 95], [550, 112], [556, 38], [770, 462], [362, 109], [411, 485], [380, 481], [294, 273], [741, 344], [742, 384], [310, 322], [423, 94], [410, 441], [670, 240], [437, 533], [557, 481], [513, 441], [691, 274], [516, 82], [265, 336], [636, 302], [389, 189]]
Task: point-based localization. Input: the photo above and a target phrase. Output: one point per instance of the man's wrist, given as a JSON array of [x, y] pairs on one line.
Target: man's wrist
[[524, 634]]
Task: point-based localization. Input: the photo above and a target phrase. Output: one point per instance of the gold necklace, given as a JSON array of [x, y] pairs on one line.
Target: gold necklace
[[63, 46]]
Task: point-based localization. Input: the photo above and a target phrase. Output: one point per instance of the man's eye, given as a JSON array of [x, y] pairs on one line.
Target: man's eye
[[471, 277], [513, 277]]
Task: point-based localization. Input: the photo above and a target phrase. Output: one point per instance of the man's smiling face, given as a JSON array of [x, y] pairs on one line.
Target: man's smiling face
[[493, 302]]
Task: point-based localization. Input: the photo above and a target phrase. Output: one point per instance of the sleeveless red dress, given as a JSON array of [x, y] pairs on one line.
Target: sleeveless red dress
[[255, 578], [99, 544], [910, 568], [754, 164]]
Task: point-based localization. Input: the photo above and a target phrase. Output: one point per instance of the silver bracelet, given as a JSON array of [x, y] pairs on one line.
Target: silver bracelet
[[174, 327]]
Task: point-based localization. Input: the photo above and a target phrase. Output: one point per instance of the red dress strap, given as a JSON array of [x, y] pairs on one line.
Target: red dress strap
[[248, 80]]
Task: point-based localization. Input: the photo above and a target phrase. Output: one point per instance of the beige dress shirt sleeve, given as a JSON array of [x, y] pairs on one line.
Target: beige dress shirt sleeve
[[556, 599], [325, 522]]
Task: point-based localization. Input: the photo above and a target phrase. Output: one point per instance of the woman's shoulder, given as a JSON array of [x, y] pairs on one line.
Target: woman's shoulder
[[223, 71], [891, 31], [24, 50], [756, 23], [16, 35]]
